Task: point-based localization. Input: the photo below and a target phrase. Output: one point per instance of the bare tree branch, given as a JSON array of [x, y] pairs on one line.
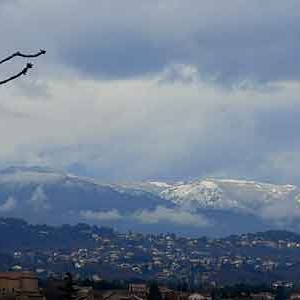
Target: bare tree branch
[[23, 72], [18, 53]]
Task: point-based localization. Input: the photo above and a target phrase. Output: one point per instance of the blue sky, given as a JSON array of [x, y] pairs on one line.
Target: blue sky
[[134, 90]]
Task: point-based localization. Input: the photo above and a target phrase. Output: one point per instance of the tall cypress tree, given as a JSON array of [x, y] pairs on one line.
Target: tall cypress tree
[[69, 290], [281, 293], [154, 292]]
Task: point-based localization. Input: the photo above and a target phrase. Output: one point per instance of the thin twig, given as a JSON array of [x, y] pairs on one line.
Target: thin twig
[[18, 53], [23, 72]]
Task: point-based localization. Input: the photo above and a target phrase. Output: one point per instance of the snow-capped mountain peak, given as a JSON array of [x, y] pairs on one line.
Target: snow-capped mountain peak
[[235, 194]]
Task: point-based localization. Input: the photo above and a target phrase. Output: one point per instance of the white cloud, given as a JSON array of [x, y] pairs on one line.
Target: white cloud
[[112, 215], [9, 205], [287, 210], [176, 216], [161, 214], [38, 200], [180, 73], [132, 129]]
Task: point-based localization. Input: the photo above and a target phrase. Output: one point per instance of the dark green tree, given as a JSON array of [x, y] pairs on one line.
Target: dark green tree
[[215, 294], [69, 290], [281, 293], [154, 292]]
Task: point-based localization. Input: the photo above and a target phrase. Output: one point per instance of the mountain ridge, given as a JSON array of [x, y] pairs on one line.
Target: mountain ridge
[[202, 206]]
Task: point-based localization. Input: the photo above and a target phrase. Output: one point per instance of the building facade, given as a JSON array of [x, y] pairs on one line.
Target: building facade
[[20, 286]]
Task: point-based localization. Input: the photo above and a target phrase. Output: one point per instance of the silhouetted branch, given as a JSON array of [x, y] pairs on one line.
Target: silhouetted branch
[[23, 72], [18, 53]]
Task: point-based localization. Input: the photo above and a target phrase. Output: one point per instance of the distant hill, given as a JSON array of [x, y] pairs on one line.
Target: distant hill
[[87, 250], [18, 234]]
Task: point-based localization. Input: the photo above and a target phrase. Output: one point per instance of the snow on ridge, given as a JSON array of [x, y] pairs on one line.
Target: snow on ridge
[[237, 181], [204, 193], [83, 179], [160, 184], [35, 175], [251, 182], [209, 184], [23, 176], [228, 194]]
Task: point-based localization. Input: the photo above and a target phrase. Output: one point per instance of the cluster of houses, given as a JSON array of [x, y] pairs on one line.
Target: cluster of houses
[[165, 257]]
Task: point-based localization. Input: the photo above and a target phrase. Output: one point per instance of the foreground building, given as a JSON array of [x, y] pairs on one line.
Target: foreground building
[[19, 286]]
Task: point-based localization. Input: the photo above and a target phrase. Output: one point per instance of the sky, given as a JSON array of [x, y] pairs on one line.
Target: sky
[[166, 90]]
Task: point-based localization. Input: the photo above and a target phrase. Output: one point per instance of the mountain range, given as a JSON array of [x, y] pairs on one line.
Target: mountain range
[[210, 206]]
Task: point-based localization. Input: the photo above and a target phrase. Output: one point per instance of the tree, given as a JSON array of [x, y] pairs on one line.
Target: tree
[[281, 293], [69, 289], [154, 292], [215, 294], [24, 70]]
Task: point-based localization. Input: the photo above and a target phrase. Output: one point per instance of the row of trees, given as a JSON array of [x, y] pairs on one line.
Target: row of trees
[[69, 290]]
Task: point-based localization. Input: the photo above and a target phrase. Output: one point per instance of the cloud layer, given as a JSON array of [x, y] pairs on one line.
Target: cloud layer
[[9, 205], [100, 216], [232, 41], [160, 215], [137, 90], [175, 216]]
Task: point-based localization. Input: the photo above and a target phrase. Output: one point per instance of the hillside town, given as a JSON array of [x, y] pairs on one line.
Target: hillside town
[[99, 253]]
